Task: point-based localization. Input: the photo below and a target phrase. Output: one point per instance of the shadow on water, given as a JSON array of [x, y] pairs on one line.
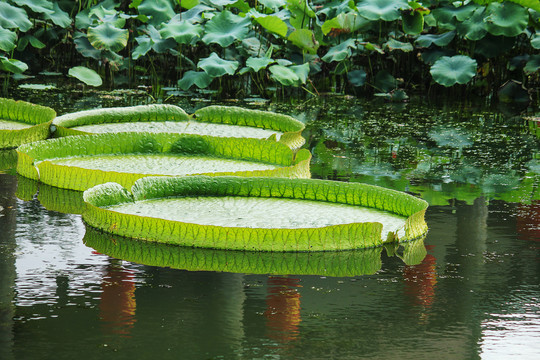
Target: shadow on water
[[468, 291]]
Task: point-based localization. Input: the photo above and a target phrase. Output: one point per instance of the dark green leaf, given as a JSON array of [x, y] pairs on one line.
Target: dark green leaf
[[413, 23], [506, 19], [183, 32], [158, 11], [305, 40], [58, 16], [382, 9], [12, 17], [357, 78], [7, 39], [108, 37], [439, 40], [190, 78], [13, 65], [259, 63]]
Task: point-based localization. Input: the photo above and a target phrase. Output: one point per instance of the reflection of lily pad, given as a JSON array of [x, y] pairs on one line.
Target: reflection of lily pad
[[80, 162], [37, 86], [224, 213], [336, 263], [8, 159]]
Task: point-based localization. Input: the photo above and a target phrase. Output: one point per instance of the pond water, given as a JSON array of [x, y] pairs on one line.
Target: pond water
[[470, 291]]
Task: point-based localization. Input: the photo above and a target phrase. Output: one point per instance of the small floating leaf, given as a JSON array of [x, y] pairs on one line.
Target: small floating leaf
[[86, 75]]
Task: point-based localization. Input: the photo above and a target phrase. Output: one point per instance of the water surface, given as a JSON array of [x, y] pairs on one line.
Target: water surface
[[472, 294]]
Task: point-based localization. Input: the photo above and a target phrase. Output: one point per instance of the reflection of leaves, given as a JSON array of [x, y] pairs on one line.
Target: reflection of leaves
[[500, 183], [450, 137]]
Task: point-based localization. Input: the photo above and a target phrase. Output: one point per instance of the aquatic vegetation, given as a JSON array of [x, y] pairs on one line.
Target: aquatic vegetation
[[22, 122], [225, 121], [80, 162], [221, 211], [328, 263], [267, 47]]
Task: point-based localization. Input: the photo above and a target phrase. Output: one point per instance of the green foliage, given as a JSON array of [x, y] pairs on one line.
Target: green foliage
[[453, 70], [193, 42]]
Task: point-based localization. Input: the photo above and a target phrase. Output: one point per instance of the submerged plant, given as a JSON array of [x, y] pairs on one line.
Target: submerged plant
[[223, 213]]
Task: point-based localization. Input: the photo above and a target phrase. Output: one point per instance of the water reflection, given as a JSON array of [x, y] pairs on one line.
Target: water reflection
[[331, 263], [283, 309]]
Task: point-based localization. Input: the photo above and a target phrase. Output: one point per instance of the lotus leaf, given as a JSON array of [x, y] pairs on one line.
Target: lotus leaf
[[215, 66], [474, 28], [80, 162], [448, 71], [86, 75], [273, 24], [413, 23], [302, 71], [300, 13], [158, 11], [7, 39], [507, 19], [199, 78], [35, 119], [336, 263], [382, 9], [225, 28], [292, 207], [12, 65], [222, 3], [447, 14], [38, 6], [347, 22], [183, 32], [284, 75], [533, 65], [535, 41], [273, 4], [384, 81], [340, 52], [188, 4], [58, 16], [357, 77], [393, 44], [259, 63], [439, 40], [108, 37], [305, 40], [12, 17]]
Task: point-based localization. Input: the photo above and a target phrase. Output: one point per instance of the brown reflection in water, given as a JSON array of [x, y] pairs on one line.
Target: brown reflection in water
[[283, 309], [528, 221], [421, 279], [117, 306]]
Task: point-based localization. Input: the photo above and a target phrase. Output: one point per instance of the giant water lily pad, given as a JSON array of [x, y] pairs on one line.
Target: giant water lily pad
[[212, 120], [328, 263], [22, 122], [256, 214], [80, 162]]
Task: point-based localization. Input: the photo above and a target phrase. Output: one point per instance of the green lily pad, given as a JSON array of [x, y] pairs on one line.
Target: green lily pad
[[394, 44], [22, 122], [12, 17], [225, 28], [507, 19], [80, 162], [273, 4], [86, 75], [535, 40], [382, 9], [357, 78], [112, 208], [58, 16], [108, 37], [215, 66], [284, 75], [38, 6], [448, 71]]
